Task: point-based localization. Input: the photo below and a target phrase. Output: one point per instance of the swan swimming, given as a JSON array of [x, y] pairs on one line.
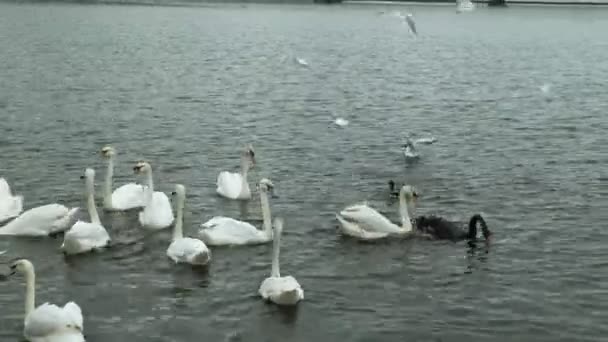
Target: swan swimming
[[10, 206], [234, 185], [341, 122], [277, 289], [41, 221], [86, 236], [184, 249], [439, 228], [157, 213], [128, 196], [364, 222], [221, 230], [464, 6], [47, 322], [409, 147]]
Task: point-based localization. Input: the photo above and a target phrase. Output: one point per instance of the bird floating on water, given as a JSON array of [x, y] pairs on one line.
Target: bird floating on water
[[341, 122]]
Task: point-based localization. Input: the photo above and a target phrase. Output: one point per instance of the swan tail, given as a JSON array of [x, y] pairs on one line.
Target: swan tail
[[289, 297], [65, 222], [487, 234], [202, 258]]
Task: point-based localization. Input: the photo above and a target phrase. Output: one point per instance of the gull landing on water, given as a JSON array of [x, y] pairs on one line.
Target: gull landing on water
[[409, 147]]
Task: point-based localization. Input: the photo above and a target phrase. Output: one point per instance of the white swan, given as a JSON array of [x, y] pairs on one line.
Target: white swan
[[10, 206], [277, 289], [365, 223], [464, 6], [128, 196], [234, 185], [227, 231], [86, 236], [41, 221], [183, 249], [48, 322], [157, 212]]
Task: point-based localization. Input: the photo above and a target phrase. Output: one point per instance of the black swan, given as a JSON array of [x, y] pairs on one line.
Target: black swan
[[442, 229]]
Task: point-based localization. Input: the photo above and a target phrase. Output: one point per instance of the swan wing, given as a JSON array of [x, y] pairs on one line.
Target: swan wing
[[10, 207], [227, 231], [158, 214], [229, 184], [369, 219], [72, 310], [128, 196], [5, 189], [354, 230], [40, 221], [49, 320], [188, 250], [85, 236]]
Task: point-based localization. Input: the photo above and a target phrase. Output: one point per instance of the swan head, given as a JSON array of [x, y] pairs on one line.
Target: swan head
[[180, 191], [108, 152], [266, 185], [22, 266], [249, 154], [409, 192], [142, 167]]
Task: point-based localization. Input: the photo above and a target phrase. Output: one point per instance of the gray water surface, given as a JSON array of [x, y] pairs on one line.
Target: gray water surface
[[186, 87]]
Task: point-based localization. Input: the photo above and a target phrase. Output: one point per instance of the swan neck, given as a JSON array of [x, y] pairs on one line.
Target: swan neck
[[107, 194], [244, 166], [30, 288], [276, 247], [266, 216], [91, 202], [150, 190], [406, 224], [178, 231]]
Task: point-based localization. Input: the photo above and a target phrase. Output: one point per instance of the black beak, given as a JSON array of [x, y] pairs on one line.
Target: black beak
[[135, 168], [174, 193], [81, 177]]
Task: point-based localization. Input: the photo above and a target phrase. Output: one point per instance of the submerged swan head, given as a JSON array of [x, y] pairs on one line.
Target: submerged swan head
[[108, 151], [142, 167]]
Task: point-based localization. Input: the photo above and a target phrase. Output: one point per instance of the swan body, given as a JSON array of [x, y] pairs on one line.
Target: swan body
[[439, 228], [157, 212], [363, 222], [47, 322], [222, 230], [234, 185], [183, 249], [280, 290], [41, 221], [86, 236], [128, 196], [10, 206]]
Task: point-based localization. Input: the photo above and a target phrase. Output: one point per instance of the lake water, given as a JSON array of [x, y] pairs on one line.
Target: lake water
[[186, 87]]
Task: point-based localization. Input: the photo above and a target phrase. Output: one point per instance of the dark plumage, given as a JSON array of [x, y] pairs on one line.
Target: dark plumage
[[442, 229]]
